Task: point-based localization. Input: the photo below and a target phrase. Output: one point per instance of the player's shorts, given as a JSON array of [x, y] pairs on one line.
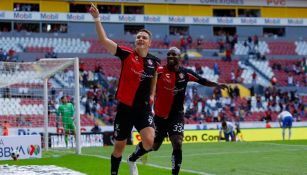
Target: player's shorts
[[69, 127], [138, 116], [231, 134], [287, 122], [174, 125]]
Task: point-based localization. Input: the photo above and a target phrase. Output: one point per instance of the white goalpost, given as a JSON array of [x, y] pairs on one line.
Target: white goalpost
[[30, 94]]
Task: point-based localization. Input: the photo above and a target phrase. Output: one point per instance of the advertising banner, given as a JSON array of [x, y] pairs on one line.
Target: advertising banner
[[27, 146], [87, 140], [154, 19], [266, 134], [271, 3]]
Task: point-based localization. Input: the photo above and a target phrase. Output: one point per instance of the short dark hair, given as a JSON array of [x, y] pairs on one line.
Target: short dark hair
[[146, 31]]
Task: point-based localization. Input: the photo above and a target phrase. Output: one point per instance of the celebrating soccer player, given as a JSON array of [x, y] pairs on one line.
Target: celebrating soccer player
[[137, 81], [168, 106]]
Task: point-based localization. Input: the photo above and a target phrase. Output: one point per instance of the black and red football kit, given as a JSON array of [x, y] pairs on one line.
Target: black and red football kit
[[133, 92], [170, 94]]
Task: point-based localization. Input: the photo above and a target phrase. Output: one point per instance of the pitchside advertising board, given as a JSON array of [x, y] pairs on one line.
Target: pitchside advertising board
[[28, 146], [204, 136], [88, 138]]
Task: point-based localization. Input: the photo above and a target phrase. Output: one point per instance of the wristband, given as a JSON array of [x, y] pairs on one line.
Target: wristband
[[97, 19]]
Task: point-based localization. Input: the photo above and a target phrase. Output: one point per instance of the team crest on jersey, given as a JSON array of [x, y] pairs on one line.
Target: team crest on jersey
[[149, 62], [181, 76]]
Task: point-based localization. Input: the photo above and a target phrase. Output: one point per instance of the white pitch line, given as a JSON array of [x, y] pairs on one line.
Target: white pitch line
[[279, 144], [155, 166], [238, 152]]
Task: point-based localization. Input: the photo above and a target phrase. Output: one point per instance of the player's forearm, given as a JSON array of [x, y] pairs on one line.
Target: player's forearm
[[208, 83], [103, 39]]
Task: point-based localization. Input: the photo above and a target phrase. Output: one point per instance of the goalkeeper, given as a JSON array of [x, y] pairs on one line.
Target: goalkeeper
[[66, 110]]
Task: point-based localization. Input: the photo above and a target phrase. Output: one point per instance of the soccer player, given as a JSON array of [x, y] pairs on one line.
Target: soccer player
[[229, 130], [137, 81], [66, 110], [168, 106], [285, 119]]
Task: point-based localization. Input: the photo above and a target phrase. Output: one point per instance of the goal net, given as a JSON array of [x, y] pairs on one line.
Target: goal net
[[31, 94]]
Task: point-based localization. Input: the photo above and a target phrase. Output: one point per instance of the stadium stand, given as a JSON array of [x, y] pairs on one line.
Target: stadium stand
[[261, 58]]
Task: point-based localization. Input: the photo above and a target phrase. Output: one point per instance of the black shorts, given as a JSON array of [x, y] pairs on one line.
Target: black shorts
[[174, 125], [138, 116]]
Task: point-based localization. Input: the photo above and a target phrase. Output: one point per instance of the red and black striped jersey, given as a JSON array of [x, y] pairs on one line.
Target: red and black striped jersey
[[135, 77], [171, 87]]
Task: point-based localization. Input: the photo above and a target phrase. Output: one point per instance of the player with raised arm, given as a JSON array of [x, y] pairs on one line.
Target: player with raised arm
[[285, 119], [229, 131], [66, 110], [168, 106], [137, 81]]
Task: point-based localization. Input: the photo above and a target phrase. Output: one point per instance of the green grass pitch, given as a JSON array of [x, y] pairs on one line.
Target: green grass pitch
[[240, 158]]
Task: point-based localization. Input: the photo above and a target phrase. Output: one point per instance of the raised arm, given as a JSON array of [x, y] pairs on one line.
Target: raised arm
[[108, 44]]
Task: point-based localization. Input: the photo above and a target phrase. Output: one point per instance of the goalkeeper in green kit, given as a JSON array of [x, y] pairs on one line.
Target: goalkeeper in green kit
[[66, 110]]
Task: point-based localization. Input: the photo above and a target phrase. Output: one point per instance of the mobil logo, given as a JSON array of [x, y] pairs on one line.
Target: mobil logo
[[50, 16], [272, 21], [224, 20], [296, 21], [22, 15], [152, 18], [176, 19], [75, 17], [248, 21], [201, 20], [127, 18], [105, 18]]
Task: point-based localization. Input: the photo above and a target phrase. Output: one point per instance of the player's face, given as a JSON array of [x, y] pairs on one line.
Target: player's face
[[172, 59], [64, 100], [142, 40]]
